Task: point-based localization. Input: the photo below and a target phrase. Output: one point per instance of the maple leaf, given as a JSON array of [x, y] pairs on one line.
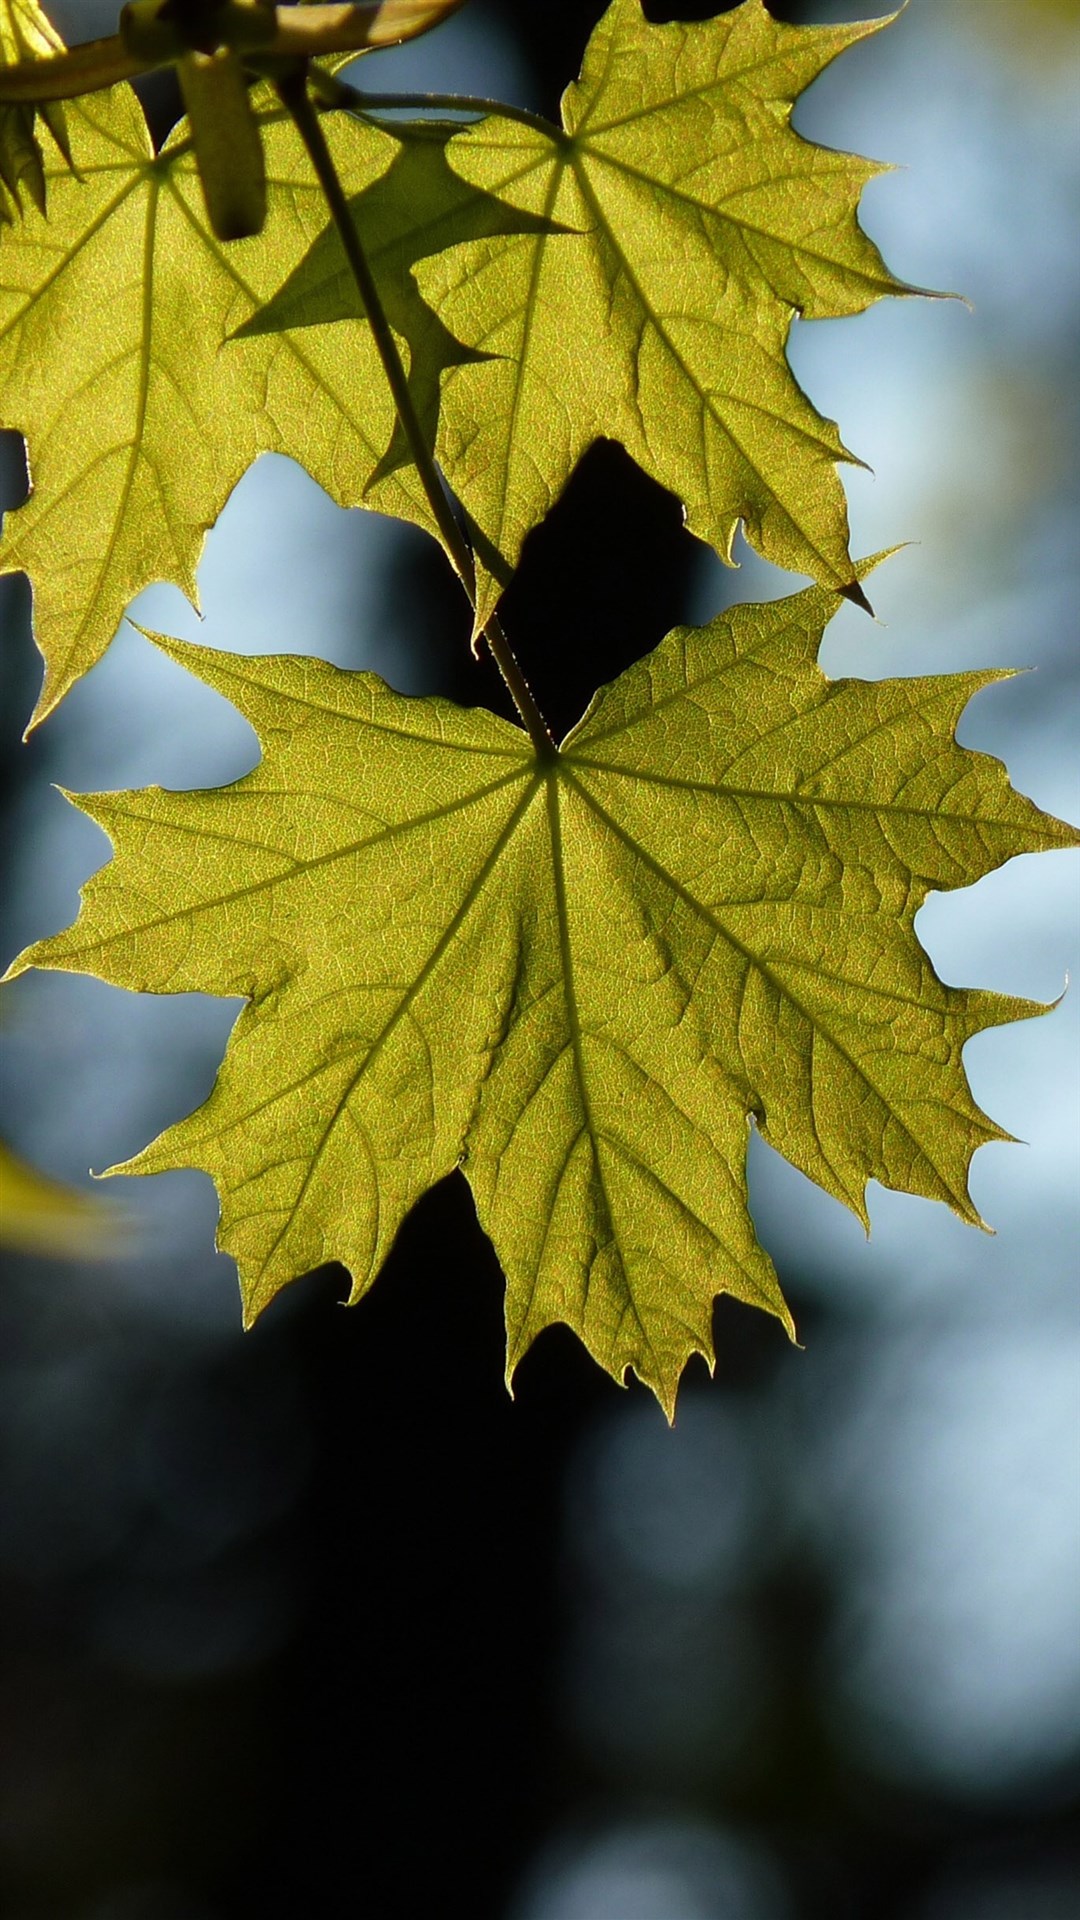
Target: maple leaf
[[576, 976], [702, 224], [139, 421], [26, 34]]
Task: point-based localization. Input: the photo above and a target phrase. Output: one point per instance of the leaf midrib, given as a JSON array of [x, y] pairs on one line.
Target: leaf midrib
[[465, 906], [142, 400], [795, 798], [298, 868], [776, 57], [555, 785], [664, 189]]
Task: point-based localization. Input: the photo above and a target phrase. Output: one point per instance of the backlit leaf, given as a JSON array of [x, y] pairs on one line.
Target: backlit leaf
[[577, 978], [140, 412], [701, 225], [138, 424]]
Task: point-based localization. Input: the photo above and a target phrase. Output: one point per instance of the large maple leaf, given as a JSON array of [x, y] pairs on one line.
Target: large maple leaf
[[702, 224], [578, 977]]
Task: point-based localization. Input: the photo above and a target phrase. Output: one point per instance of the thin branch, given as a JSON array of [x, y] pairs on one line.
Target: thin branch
[[293, 93], [64, 76], [338, 93], [293, 32]]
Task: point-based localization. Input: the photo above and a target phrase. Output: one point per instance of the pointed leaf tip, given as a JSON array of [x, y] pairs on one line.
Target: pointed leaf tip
[[854, 592]]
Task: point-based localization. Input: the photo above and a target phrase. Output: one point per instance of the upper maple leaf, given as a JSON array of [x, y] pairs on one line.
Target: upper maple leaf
[[138, 425], [141, 412], [702, 223], [577, 976], [676, 224]]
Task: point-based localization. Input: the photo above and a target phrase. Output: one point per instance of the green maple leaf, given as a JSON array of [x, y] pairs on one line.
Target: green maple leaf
[[139, 418], [702, 225], [576, 977], [26, 34]]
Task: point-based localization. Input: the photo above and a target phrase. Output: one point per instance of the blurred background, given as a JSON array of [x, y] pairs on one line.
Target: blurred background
[[316, 1620]]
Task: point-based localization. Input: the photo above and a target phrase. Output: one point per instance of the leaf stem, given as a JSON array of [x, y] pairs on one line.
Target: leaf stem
[[291, 33], [338, 93], [293, 93]]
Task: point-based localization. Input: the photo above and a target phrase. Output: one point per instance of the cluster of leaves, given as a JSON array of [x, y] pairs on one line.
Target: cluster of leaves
[[577, 973]]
